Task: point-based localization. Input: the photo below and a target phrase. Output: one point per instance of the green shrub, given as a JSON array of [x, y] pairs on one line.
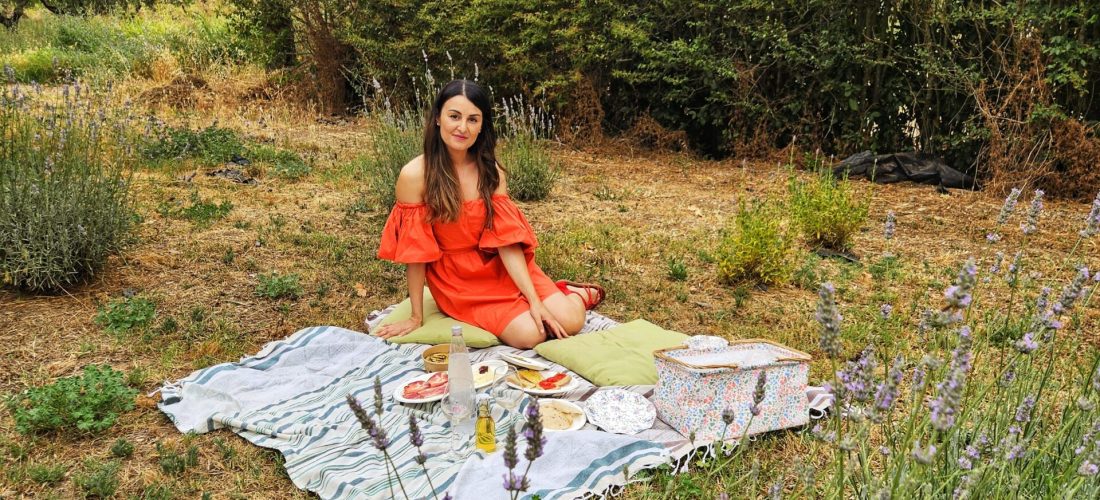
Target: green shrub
[[200, 211], [827, 211], [100, 479], [677, 269], [285, 164], [211, 146], [47, 474], [531, 175], [756, 247], [275, 286], [397, 138], [122, 448], [175, 462], [88, 403], [125, 314], [65, 204]]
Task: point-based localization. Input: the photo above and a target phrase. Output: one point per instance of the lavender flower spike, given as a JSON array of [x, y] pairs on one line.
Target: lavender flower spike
[[1009, 206], [758, 394], [1072, 291], [887, 391], [959, 295], [950, 391], [1033, 213], [532, 432], [1092, 223], [1026, 344], [830, 318], [891, 224]]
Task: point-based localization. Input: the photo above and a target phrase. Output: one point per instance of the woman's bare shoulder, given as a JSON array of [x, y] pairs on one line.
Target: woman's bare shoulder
[[410, 181]]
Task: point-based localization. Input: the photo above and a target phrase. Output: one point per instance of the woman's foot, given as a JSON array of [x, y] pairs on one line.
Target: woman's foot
[[591, 295]]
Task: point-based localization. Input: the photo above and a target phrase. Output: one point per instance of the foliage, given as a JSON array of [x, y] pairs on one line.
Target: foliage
[[275, 286], [285, 164], [47, 474], [125, 314], [827, 211], [201, 212], [677, 269], [756, 247], [100, 479], [397, 138], [87, 403], [212, 145], [531, 174], [65, 203], [173, 461], [122, 448]]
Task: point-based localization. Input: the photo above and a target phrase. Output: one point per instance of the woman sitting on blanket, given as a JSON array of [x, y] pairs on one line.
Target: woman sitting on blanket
[[455, 227]]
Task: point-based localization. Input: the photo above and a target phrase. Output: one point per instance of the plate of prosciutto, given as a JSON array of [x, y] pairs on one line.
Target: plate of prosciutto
[[422, 388]]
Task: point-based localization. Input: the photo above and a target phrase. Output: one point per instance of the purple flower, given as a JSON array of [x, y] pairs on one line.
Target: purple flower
[[1088, 468], [377, 396], [922, 455], [959, 295], [1026, 344], [532, 432], [515, 483], [1023, 412], [1008, 206], [1017, 451], [997, 260], [1008, 377], [965, 463], [857, 378], [510, 458], [758, 393], [1013, 270], [1085, 404], [885, 310], [993, 237], [728, 416], [891, 222], [415, 436], [887, 391], [1092, 222], [1073, 290], [950, 391], [1033, 213], [819, 432], [830, 318], [972, 453]]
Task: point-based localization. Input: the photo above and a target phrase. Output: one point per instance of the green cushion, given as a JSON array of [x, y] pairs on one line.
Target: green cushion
[[437, 326], [622, 355]]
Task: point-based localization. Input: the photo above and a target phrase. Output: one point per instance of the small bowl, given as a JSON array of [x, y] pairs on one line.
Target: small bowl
[[435, 349]]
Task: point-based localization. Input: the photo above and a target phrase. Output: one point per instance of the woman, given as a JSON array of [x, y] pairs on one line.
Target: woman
[[455, 227]]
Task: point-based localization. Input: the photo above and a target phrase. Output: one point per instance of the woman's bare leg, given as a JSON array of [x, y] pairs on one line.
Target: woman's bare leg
[[521, 332]]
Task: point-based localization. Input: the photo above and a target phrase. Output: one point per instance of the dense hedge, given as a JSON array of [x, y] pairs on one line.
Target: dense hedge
[[747, 75]]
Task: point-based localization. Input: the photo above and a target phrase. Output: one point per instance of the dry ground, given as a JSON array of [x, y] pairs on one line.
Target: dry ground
[[616, 216]]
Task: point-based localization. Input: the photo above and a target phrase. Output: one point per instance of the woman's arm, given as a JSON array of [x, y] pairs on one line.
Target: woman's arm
[[516, 264], [410, 189]]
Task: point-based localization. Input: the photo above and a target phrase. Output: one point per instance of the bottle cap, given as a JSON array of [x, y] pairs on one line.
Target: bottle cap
[[456, 330]]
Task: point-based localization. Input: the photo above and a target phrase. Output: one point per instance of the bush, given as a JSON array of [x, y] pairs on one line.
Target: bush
[[212, 145], [88, 403], [100, 480], [756, 247], [274, 286], [125, 314], [827, 211], [65, 204], [531, 175], [397, 138]]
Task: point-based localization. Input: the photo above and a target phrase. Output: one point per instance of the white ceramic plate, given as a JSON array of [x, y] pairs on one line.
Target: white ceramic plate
[[578, 421], [398, 393], [523, 362], [620, 411], [490, 377], [544, 392]]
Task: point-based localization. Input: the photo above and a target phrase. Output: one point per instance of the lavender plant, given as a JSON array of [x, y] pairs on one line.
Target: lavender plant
[[65, 166]]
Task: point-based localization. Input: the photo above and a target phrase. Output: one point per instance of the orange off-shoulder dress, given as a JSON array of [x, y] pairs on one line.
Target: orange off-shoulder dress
[[465, 274]]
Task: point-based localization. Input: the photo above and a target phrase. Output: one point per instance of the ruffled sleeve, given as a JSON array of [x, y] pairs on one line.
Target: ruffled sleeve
[[408, 237], [509, 227]]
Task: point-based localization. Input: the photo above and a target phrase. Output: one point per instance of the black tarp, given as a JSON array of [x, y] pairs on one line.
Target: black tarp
[[897, 167]]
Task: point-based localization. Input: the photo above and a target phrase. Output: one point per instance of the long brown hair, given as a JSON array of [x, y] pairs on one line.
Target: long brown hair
[[442, 193]]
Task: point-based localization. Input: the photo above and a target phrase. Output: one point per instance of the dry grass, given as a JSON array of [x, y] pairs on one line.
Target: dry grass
[[631, 213]]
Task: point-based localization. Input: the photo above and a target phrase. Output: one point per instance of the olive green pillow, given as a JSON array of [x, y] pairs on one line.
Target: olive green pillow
[[622, 355], [437, 326]]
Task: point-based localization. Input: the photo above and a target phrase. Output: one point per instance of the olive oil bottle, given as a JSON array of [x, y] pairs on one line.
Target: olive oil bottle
[[486, 434]]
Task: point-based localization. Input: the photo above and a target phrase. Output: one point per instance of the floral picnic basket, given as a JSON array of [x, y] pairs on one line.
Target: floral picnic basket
[[696, 385]]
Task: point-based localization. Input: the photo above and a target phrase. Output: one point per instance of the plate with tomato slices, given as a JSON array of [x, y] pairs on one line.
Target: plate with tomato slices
[[422, 388], [542, 383]]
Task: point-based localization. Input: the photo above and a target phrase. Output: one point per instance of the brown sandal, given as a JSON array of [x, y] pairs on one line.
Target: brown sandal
[[586, 299]]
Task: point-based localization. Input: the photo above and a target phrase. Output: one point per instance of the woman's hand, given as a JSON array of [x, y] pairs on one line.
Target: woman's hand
[[545, 321], [397, 329]]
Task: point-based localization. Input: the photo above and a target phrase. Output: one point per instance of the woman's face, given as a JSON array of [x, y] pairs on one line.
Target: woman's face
[[459, 123]]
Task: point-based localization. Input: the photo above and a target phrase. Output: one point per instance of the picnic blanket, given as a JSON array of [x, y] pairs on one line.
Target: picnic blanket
[[290, 397]]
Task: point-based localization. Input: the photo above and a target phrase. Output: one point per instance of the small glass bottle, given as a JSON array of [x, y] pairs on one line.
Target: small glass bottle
[[486, 428]]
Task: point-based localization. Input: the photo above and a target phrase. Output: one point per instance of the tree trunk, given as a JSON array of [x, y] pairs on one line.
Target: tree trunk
[[9, 22]]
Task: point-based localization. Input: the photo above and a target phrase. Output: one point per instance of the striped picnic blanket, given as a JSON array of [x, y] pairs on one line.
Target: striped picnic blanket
[[290, 397]]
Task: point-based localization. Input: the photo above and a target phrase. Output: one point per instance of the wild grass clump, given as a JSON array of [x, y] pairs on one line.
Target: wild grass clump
[[99, 480], [65, 202], [47, 474], [125, 314], [284, 164], [756, 247], [212, 145], [827, 211], [275, 286], [87, 403]]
